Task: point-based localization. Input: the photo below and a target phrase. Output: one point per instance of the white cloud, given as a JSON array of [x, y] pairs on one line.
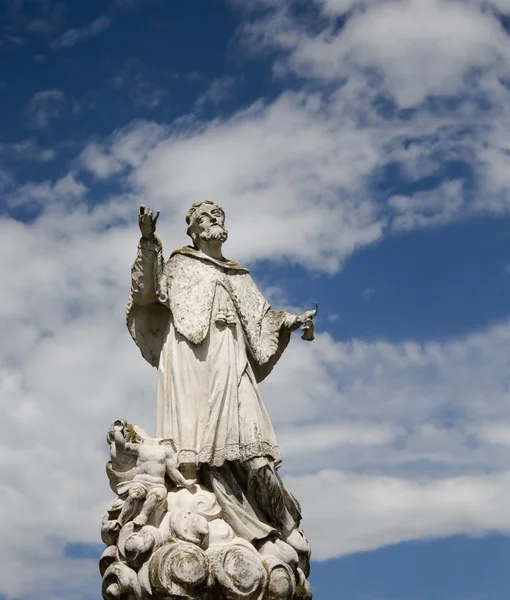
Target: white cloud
[[310, 161], [302, 168], [264, 166], [309, 439], [418, 47], [432, 405], [67, 189], [435, 207], [341, 7], [445, 59], [497, 433], [348, 513], [97, 161]]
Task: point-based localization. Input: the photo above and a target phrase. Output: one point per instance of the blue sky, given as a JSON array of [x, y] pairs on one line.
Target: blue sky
[[360, 150]]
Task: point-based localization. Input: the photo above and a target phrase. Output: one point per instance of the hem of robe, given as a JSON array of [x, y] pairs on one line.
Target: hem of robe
[[235, 507], [216, 457], [241, 510]]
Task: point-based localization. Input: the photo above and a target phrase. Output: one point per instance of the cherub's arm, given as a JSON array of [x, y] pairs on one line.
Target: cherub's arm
[[173, 472], [122, 445]]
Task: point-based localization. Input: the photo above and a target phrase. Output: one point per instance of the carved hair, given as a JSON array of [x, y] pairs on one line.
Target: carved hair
[[193, 212]]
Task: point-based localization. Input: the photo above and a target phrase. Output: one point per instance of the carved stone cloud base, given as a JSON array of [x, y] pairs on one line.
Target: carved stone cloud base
[[187, 550]]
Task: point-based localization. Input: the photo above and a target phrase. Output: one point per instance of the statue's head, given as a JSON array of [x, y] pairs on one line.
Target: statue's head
[[206, 222]]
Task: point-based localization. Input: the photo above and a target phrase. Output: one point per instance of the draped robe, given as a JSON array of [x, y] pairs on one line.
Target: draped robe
[[207, 328]]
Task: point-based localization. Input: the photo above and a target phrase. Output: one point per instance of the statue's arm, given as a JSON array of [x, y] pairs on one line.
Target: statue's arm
[[305, 321], [147, 271], [290, 321]]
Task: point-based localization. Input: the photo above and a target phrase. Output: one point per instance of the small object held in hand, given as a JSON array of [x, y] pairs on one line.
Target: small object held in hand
[[308, 327]]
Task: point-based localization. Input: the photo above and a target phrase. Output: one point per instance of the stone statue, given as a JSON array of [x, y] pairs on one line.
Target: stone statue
[[201, 320]]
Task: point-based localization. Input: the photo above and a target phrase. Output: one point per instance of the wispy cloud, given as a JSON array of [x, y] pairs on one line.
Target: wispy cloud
[[367, 293], [73, 36], [27, 149], [219, 90], [45, 106], [141, 91]]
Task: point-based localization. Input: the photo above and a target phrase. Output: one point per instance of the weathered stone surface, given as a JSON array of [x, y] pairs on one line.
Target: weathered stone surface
[[201, 511], [186, 548]]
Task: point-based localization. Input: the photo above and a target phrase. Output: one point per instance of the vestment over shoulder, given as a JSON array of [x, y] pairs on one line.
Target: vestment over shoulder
[[185, 289]]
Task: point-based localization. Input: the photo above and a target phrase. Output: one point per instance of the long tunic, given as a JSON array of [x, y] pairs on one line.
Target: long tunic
[[213, 336], [207, 400]]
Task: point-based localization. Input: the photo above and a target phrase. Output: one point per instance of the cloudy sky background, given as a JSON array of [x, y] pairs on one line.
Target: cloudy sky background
[[361, 151]]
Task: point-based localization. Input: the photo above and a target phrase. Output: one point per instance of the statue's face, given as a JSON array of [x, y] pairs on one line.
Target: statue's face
[[208, 224]]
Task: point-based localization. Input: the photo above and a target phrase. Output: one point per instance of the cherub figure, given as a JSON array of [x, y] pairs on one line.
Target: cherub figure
[[153, 459]]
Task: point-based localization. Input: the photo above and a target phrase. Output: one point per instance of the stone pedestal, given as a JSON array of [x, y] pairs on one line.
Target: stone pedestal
[[186, 549]]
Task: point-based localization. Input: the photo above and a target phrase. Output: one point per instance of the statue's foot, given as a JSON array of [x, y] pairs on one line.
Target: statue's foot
[[140, 521]]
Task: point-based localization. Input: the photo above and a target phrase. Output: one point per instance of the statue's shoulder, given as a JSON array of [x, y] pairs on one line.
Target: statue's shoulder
[[194, 259], [181, 255]]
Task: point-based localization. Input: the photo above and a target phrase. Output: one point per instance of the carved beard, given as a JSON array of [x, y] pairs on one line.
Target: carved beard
[[214, 233]]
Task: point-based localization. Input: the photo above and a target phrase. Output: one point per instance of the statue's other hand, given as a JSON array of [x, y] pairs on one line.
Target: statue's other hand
[[307, 316], [147, 221], [305, 321]]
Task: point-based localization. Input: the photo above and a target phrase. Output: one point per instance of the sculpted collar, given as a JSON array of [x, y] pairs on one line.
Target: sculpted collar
[[224, 264]]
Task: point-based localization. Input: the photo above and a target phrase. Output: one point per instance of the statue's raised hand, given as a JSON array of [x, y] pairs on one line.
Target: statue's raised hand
[[147, 222]]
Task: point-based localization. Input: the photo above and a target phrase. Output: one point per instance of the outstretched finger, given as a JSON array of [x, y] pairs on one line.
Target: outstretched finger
[[142, 210], [156, 217]]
